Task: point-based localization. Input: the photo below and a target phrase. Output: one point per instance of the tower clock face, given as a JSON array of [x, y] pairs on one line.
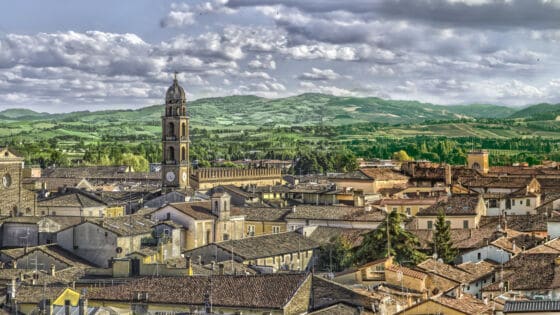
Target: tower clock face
[[184, 176], [170, 176]]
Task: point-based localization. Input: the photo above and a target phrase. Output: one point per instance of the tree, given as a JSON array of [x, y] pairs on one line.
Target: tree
[[402, 156], [403, 243], [443, 245], [138, 163], [336, 255]]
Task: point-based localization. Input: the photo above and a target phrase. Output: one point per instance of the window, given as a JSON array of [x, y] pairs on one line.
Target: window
[[168, 216], [465, 224], [528, 202], [521, 202], [408, 211], [513, 202], [275, 229], [394, 208], [251, 230], [430, 225], [207, 236], [226, 237], [478, 256], [493, 203]]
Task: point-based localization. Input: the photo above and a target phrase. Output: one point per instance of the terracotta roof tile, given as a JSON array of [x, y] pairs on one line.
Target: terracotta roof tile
[[270, 291]]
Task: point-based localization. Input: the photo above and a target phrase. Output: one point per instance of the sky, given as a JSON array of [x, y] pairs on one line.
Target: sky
[[68, 55]]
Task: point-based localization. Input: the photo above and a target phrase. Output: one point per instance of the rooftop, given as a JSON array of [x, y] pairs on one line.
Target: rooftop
[[268, 245], [344, 213], [455, 205], [269, 291]]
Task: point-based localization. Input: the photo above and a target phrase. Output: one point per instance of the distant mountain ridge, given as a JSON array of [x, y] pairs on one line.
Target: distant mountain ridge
[[304, 109]]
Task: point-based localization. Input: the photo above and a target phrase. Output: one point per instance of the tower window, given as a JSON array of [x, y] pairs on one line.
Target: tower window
[[171, 129], [183, 154], [171, 154], [183, 130]]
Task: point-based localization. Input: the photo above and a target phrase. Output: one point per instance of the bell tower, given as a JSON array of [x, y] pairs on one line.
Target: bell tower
[[175, 140]]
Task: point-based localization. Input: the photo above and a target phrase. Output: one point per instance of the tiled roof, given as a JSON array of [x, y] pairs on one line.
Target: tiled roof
[[126, 225], [268, 245], [528, 271], [531, 306], [454, 205], [269, 291], [415, 201], [445, 270], [466, 304], [71, 199], [462, 238], [326, 234], [521, 223], [550, 247], [336, 309], [497, 182], [382, 174], [52, 250], [261, 214], [343, 213], [101, 172], [326, 293], [198, 210], [27, 294], [478, 269], [407, 271], [507, 245]]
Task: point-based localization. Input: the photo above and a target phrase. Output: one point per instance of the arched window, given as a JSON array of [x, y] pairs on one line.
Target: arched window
[[171, 154], [168, 111], [171, 129], [183, 130], [216, 205], [183, 154]]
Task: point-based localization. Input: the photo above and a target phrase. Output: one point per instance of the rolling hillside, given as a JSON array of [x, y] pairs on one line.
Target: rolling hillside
[[305, 109]]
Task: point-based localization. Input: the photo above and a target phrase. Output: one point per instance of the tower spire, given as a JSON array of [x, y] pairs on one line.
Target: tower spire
[[175, 73]]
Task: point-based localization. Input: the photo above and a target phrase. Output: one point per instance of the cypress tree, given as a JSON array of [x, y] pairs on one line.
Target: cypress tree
[[443, 245]]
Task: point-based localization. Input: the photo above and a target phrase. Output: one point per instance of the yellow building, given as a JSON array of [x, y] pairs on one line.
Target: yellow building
[[27, 299], [409, 207], [204, 179], [263, 221], [478, 160], [461, 211]]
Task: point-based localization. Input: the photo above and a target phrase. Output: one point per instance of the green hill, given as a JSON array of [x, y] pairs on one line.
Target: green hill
[[539, 112], [250, 111]]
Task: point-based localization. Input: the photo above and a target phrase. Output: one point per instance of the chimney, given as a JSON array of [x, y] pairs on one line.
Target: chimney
[[14, 264], [448, 175], [221, 269], [47, 304], [53, 270], [200, 260], [513, 247], [11, 290], [34, 278], [459, 291], [83, 304], [294, 209]]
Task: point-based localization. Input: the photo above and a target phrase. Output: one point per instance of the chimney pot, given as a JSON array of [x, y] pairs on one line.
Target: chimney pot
[[221, 269], [53, 270]]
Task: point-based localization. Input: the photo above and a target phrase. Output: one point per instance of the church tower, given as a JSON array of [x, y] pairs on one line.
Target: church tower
[[175, 140]]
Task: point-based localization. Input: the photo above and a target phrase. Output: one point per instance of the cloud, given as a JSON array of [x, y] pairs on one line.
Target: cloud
[[265, 62], [319, 75], [179, 16]]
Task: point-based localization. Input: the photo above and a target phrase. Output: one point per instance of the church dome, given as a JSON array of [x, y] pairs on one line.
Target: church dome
[[175, 91]]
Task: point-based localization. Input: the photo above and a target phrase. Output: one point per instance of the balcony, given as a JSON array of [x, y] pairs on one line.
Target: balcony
[[170, 138]]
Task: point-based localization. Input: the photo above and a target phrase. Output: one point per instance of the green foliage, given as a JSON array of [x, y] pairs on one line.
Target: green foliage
[[335, 256], [401, 155], [443, 245], [403, 243], [138, 163]]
